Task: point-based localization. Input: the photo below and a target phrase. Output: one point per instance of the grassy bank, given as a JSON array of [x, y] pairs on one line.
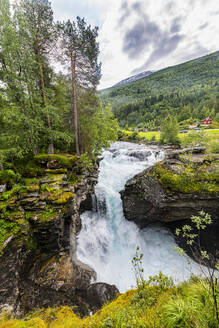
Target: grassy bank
[[212, 134], [188, 305]]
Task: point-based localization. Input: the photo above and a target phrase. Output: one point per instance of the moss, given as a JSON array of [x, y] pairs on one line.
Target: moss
[[29, 215], [65, 196], [190, 180], [15, 190], [31, 181], [9, 177], [7, 229], [33, 323], [55, 177], [12, 215], [31, 169], [45, 187], [47, 215], [56, 171], [33, 188], [66, 161], [31, 185], [52, 196]]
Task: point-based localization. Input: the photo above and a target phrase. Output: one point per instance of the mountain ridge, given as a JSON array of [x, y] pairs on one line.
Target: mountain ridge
[[188, 90], [133, 78]]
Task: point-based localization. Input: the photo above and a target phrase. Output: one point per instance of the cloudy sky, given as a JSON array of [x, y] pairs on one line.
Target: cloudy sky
[[136, 36]]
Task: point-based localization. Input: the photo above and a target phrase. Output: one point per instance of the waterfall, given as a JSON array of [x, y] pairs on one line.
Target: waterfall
[[107, 241]]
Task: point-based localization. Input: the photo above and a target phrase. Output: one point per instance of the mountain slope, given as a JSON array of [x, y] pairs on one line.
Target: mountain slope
[[134, 78], [188, 90]]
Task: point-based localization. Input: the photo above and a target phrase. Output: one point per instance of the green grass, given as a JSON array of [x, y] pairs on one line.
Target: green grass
[[212, 135], [188, 305]]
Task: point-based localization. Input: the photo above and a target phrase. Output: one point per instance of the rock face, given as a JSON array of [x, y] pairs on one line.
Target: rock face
[[100, 293], [146, 201], [38, 264]]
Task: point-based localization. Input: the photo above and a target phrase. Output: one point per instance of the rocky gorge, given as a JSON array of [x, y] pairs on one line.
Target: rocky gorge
[[40, 221], [61, 246], [172, 191]]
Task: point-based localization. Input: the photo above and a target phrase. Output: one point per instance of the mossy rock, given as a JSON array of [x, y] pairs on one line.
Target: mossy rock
[[188, 180], [7, 229], [47, 215], [30, 170], [56, 171], [64, 198], [59, 161], [13, 215]]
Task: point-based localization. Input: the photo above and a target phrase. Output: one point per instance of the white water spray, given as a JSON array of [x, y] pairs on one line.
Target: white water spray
[[107, 241]]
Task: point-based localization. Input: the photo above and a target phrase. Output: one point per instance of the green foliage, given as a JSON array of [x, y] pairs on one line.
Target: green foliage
[[7, 229], [187, 91], [98, 127], [133, 136], [185, 306], [188, 180], [85, 161], [9, 177], [12, 192], [193, 307], [160, 280], [63, 160], [31, 169], [35, 103], [192, 237], [213, 147], [169, 131], [195, 138], [138, 270], [217, 117]]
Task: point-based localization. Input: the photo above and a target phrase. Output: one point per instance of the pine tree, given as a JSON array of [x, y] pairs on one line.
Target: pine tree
[[80, 51], [38, 15]]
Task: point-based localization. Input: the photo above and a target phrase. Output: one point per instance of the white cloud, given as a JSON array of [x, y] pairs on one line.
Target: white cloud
[[196, 20], [196, 42]]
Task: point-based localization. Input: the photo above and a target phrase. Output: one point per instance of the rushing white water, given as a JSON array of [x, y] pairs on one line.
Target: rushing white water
[[107, 241]]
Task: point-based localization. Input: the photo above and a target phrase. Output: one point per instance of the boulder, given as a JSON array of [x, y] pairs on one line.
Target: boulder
[[147, 201], [101, 293], [3, 188]]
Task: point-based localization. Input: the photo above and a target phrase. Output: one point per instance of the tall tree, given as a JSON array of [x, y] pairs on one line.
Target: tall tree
[[16, 72], [97, 124], [80, 52], [38, 15]]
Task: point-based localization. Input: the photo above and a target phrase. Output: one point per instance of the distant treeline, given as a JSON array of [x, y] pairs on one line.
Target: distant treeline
[[189, 90]]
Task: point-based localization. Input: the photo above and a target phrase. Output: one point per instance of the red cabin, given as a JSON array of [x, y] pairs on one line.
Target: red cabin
[[207, 121]]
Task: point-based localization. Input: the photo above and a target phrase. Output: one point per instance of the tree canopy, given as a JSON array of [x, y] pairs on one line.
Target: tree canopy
[[37, 112]]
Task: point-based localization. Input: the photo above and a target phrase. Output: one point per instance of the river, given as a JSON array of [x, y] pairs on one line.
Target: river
[[107, 241]]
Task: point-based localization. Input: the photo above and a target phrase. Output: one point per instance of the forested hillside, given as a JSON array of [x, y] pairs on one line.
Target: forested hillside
[[189, 90]]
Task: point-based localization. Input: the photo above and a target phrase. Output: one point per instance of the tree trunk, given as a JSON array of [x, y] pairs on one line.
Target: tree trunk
[[51, 145], [75, 107]]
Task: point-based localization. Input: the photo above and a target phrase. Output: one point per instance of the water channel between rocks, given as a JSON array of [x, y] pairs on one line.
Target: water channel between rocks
[[107, 241]]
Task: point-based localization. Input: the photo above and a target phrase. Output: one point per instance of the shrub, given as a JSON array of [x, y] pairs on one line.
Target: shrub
[[133, 136], [195, 138], [213, 147], [169, 131], [9, 176]]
